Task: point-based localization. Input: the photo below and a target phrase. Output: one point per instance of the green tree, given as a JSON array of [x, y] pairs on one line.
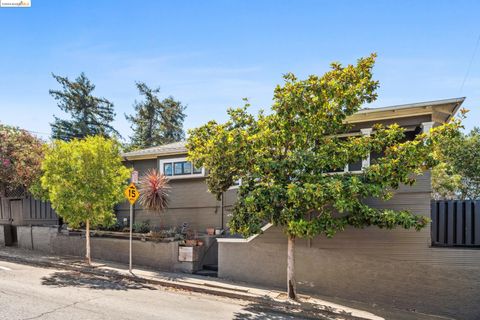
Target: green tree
[[21, 154], [84, 180], [285, 160], [90, 115], [458, 175], [156, 121]]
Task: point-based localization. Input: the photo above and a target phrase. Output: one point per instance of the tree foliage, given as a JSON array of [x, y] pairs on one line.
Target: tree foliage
[[84, 179], [285, 159], [21, 154], [458, 175], [90, 115], [156, 121]]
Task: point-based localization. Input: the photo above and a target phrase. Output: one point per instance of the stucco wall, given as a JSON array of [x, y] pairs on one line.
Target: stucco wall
[[161, 256], [2, 236], [385, 267]]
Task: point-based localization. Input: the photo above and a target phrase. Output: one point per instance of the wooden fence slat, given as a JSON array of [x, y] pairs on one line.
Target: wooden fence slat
[[442, 223], [434, 225], [468, 223], [450, 223], [476, 218], [460, 228]]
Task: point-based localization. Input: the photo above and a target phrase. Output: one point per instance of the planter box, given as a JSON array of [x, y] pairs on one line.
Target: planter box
[[189, 254]]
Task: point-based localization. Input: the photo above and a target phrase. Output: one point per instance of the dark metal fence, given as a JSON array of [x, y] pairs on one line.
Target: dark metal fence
[[26, 211], [455, 223]]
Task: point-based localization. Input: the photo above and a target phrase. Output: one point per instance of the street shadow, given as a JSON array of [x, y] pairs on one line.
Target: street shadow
[[274, 310], [92, 281]]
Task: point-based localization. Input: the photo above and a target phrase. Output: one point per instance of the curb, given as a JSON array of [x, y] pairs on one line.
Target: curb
[[285, 306]]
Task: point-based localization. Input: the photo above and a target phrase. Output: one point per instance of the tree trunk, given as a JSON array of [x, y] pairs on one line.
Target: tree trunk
[[292, 293], [87, 236]]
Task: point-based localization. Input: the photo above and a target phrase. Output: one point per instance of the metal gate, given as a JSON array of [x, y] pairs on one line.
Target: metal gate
[[21, 211]]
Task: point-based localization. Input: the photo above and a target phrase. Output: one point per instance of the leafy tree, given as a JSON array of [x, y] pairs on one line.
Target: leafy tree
[[458, 175], [285, 160], [156, 121], [21, 154], [84, 180], [90, 115]]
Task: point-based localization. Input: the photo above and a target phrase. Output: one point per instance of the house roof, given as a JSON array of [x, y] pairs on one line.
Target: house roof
[[153, 152], [440, 110]]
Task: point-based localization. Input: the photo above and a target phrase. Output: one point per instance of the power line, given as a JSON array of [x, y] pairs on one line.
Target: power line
[[470, 64]]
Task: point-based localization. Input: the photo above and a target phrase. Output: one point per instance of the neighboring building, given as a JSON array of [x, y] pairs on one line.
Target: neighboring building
[[397, 268]]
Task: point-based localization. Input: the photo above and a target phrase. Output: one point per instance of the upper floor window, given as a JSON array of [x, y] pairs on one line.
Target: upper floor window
[[180, 168]]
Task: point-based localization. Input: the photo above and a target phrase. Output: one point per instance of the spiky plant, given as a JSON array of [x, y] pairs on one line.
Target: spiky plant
[[154, 191]]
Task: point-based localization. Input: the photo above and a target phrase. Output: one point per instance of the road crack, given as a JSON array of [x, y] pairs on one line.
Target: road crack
[[59, 308]]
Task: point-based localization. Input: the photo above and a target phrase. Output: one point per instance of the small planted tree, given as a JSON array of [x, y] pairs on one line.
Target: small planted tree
[[21, 154], [289, 160], [84, 180]]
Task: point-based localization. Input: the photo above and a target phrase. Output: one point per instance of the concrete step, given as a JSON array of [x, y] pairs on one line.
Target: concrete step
[[212, 267], [207, 273]]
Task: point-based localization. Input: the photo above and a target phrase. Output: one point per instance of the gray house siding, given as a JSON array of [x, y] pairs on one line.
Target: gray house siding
[[395, 268], [189, 202]]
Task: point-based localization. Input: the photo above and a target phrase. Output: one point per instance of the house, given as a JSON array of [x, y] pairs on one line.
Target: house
[[189, 200], [398, 268]]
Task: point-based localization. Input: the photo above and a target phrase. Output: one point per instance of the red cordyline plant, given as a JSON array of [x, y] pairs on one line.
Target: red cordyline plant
[[154, 191]]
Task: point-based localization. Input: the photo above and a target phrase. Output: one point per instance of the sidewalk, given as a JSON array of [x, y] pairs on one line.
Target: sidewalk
[[207, 285]]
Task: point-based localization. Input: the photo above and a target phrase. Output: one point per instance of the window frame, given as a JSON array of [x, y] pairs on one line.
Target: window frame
[[172, 161]]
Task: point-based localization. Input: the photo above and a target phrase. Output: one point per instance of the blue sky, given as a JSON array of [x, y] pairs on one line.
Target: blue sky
[[211, 54]]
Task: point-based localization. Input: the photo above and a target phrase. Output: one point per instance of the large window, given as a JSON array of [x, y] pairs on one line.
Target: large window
[[180, 168], [358, 166]]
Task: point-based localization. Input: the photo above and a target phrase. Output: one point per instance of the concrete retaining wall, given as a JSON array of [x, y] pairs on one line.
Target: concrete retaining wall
[[439, 281], [396, 268], [2, 236], [157, 255]]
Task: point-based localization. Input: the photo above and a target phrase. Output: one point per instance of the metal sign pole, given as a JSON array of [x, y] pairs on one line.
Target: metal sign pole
[[131, 193], [131, 230]]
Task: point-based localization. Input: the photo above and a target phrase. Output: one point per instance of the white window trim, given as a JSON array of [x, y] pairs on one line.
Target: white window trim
[[236, 186], [427, 126], [161, 163], [365, 162]]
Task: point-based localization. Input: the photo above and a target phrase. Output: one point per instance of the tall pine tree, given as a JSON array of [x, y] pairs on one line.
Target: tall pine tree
[[90, 115], [156, 121]]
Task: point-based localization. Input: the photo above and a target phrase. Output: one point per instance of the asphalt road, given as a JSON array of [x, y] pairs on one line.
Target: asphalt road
[[28, 292]]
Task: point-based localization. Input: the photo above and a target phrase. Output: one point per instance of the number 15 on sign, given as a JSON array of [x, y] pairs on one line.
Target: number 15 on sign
[[131, 193]]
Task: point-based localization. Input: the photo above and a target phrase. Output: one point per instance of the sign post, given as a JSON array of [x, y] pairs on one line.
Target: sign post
[[132, 194]]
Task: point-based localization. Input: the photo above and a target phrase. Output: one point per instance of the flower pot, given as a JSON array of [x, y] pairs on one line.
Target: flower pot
[[210, 231]]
